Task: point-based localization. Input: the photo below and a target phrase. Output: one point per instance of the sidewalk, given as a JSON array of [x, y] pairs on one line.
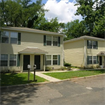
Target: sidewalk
[[49, 78]]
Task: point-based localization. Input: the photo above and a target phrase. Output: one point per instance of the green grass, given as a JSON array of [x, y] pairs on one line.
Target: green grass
[[18, 78], [74, 74]]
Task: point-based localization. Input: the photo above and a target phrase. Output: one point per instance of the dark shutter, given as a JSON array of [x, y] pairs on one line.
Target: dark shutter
[[87, 59], [97, 44], [0, 36], [18, 59], [19, 38], [44, 40], [97, 60], [58, 59], [87, 43], [58, 41]]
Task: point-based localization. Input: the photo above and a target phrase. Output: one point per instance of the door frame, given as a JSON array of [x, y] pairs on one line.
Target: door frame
[[23, 61], [39, 62]]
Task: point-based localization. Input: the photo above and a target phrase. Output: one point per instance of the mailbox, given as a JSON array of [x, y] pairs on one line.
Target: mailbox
[[29, 66], [34, 66]]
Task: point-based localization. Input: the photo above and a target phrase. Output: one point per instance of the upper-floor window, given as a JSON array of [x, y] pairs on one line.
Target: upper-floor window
[[48, 40], [92, 44], [51, 40], [13, 37], [4, 60], [10, 37], [5, 37], [55, 41]]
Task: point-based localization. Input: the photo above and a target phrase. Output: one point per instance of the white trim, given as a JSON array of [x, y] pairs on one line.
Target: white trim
[[85, 37], [31, 30]]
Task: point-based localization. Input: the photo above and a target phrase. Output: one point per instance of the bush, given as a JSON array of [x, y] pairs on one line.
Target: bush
[[48, 68], [67, 64]]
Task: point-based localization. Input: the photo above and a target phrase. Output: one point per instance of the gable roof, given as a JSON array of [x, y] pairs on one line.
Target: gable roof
[[85, 37], [25, 29], [32, 51]]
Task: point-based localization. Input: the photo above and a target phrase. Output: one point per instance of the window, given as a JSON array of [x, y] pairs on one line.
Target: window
[[95, 45], [4, 60], [95, 61], [14, 37], [49, 40], [92, 44], [55, 41], [89, 44], [92, 60], [55, 59], [12, 60], [48, 59], [5, 37], [89, 59]]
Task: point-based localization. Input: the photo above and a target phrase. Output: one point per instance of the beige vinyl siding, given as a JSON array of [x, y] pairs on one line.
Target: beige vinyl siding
[[32, 40], [94, 52], [74, 53]]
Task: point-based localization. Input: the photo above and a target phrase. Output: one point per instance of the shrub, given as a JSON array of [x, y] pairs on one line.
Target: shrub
[[48, 68], [67, 64]]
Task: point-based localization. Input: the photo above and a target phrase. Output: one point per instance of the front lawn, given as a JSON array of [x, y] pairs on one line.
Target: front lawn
[[18, 78], [74, 74]]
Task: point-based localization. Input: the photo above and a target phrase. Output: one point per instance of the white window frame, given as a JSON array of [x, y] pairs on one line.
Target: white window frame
[[4, 36], [13, 37], [94, 58], [47, 39], [55, 59], [49, 59], [4, 60], [56, 40], [92, 41], [13, 59]]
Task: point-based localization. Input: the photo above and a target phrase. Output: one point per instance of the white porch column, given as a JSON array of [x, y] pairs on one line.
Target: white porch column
[[44, 62]]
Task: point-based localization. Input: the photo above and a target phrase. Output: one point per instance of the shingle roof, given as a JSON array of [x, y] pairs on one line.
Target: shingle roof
[[32, 51], [25, 29], [102, 53], [85, 37]]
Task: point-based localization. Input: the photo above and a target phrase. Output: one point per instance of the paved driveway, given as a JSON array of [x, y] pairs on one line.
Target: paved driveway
[[89, 91]]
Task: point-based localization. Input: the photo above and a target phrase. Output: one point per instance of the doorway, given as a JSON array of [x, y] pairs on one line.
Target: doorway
[[37, 61], [26, 61], [100, 60]]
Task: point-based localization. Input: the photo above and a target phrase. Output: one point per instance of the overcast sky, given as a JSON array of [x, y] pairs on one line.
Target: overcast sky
[[64, 10]]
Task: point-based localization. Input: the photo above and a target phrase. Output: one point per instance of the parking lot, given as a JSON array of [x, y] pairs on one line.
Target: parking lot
[[89, 91]]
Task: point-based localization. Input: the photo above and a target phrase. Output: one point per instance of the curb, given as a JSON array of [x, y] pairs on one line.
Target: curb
[[42, 83]]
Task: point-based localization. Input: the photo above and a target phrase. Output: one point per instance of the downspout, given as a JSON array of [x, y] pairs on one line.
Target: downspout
[[85, 54]]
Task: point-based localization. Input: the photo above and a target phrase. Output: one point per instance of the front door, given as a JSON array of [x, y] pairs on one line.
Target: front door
[[37, 61], [26, 61], [100, 60]]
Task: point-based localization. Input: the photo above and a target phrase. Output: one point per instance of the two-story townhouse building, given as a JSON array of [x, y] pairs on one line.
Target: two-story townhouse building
[[85, 51], [20, 47]]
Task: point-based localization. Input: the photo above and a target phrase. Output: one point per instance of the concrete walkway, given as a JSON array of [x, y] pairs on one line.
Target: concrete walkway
[[49, 78]]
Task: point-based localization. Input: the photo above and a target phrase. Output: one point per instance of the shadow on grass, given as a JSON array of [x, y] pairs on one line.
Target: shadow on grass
[[14, 79]]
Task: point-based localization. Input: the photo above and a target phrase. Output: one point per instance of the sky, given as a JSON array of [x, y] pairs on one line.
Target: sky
[[64, 10]]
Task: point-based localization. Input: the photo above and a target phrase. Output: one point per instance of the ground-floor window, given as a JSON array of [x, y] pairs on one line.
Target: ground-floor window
[[48, 59], [52, 59], [55, 59], [12, 60], [4, 60], [92, 60]]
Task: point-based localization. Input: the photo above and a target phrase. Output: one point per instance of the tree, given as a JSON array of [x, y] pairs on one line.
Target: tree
[[93, 13], [20, 12], [75, 29]]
